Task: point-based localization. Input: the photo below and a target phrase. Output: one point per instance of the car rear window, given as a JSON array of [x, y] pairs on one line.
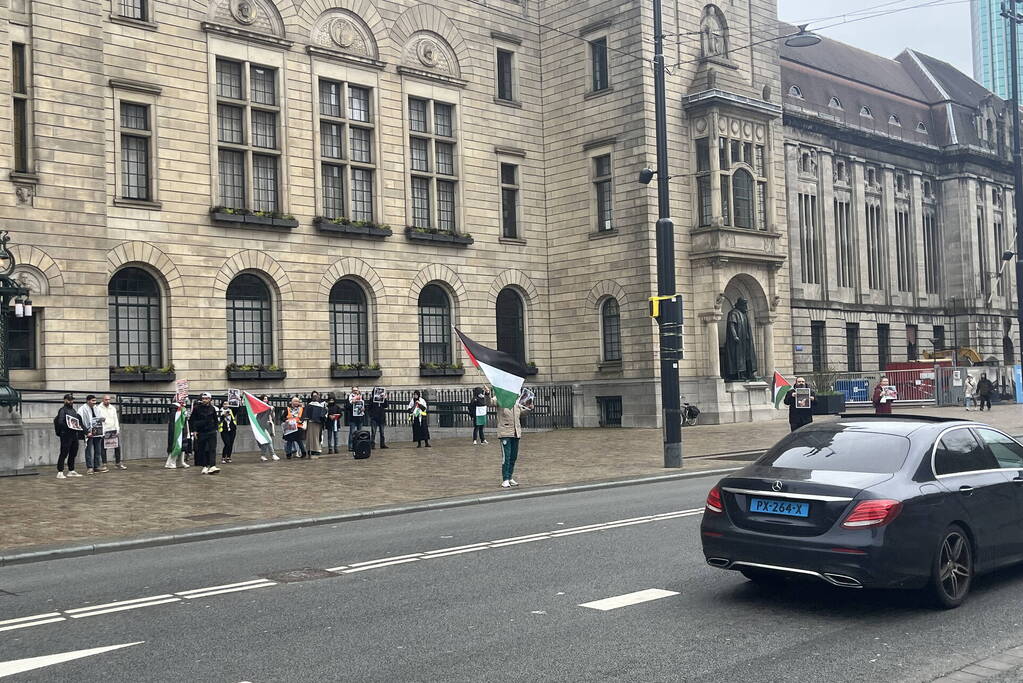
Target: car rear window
[[839, 451]]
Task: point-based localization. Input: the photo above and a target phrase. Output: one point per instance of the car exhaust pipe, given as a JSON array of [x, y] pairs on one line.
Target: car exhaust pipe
[[718, 562], [842, 580]]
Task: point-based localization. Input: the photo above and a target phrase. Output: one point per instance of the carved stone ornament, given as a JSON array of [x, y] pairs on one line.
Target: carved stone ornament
[[244, 11], [345, 34], [28, 280], [24, 194], [767, 93], [428, 52]]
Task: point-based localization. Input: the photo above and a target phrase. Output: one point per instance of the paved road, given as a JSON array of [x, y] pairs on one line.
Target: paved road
[[504, 608]]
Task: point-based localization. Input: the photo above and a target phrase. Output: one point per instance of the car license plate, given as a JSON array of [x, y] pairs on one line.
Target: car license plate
[[779, 507]]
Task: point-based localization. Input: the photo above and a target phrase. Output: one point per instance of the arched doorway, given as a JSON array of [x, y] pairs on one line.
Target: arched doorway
[[746, 287]]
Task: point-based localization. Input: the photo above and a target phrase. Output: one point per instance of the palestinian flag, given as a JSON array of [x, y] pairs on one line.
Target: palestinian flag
[[780, 388], [504, 372], [257, 409], [180, 419]]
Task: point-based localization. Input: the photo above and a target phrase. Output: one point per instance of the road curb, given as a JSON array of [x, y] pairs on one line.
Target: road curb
[[78, 550]]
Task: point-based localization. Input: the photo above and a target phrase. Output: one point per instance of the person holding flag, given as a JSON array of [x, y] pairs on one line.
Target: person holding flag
[[177, 434], [260, 414]]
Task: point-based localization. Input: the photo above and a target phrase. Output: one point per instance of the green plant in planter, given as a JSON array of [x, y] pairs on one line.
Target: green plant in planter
[[273, 367], [167, 369], [824, 381], [129, 369]]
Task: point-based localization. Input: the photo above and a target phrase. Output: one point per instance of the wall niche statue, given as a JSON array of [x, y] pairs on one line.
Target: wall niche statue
[[713, 33], [740, 356]]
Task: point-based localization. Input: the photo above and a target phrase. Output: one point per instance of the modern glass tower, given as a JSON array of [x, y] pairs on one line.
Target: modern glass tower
[[991, 47]]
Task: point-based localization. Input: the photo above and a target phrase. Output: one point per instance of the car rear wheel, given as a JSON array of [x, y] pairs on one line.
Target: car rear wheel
[[952, 571], [763, 577]]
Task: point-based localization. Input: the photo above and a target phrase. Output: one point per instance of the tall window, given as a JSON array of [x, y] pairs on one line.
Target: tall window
[[742, 198], [134, 9], [852, 347], [133, 303], [505, 75], [999, 250], [509, 200], [611, 330], [932, 254], [876, 265], [136, 136], [809, 239], [904, 249], [939, 337], [347, 163], [511, 324], [911, 342], [743, 167], [703, 193], [818, 345], [249, 321], [21, 342], [249, 149], [598, 64], [349, 328], [432, 159], [21, 90], [884, 346], [434, 325], [602, 186], [983, 266], [844, 245]]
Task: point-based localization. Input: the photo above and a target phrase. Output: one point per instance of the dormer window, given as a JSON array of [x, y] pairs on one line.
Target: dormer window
[[893, 120], [835, 103], [865, 112], [921, 128], [927, 189], [871, 176], [794, 91], [900, 183]]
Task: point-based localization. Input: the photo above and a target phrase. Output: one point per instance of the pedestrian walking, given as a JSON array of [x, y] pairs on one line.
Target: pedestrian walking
[[93, 436], [884, 396], [266, 421], [335, 413], [969, 392], [356, 414], [179, 441], [509, 431], [111, 430], [800, 404], [204, 423], [227, 425], [377, 412], [315, 415], [67, 425], [478, 413], [294, 429], [420, 419], [985, 388]]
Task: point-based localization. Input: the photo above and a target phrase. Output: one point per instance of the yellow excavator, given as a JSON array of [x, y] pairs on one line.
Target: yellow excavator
[[967, 356]]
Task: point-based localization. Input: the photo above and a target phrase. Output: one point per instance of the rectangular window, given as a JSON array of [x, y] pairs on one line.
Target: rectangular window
[[346, 150], [703, 201], [445, 159], [999, 250], [229, 79], [809, 240], [135, 151], [446, 206], [443, 119], [884, 346], [21, 342], [911, 342], [420, 154], [939, 338], [846, 259], [21, 94], [230, 124], [433, 165], [876, 256], [598, 64], [417, 115], [904, 250], [509, 200], [602, 185], [505, 75], [702, 155], [982, 255], [932, 254], [818, 345], [264, 183], [232, 178], [133, 9], [420, 202], [726, 193], [852, 347]]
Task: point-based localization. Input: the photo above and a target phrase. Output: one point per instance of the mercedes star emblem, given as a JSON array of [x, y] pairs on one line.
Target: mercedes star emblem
[[777, 486]]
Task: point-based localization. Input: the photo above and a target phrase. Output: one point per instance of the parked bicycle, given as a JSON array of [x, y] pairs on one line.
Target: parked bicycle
[[690, 413]]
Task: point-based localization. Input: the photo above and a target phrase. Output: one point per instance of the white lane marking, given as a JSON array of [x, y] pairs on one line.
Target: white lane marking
[[455, 552], [629, 599], [92, 608], [337, 569], [124, 608], [18, 666], [230, 590], [382, 559], [32, 618], [523, 540], [27, 624], [353, 570], [458, 547], [545, 534], [216, 588]]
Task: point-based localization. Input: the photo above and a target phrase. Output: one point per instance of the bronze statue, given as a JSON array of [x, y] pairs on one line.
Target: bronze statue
[[740, 358]]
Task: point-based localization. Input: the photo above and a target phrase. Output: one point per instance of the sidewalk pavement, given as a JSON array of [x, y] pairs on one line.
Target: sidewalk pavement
[[44, 512]]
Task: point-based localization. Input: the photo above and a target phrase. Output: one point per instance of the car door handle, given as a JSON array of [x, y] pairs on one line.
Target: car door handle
[[1018, 479], [966, 490]]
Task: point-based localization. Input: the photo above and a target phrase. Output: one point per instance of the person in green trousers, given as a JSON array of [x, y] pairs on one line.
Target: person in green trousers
[[509, 430]]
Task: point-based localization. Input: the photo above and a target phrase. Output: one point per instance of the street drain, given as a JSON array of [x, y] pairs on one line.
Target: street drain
[[296, 575], [210, 517]]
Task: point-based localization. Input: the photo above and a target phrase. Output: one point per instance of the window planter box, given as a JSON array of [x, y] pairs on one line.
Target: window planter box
[[126, 376], [324, 225], [243, 374], [285, 222], [220, 217], [530, 370], [829, 404], [360, 373], [273, 374], [441, 372], [160, 376], [414, 235], [259, 221]]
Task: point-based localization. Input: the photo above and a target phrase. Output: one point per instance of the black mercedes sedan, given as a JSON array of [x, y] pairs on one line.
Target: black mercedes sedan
[[889, 501]]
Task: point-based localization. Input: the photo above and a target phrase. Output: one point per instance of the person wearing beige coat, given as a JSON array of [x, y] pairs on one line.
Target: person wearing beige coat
[[509, 430]]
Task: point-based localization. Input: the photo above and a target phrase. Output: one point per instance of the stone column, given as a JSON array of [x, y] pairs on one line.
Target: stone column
[[766, 323], [713, 140], [710, 322]]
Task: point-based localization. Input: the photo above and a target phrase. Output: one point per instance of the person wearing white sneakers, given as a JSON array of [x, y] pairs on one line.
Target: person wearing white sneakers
[[178, 440], [266, 421], [111, 423], [478, 414], [68, 426], [509, 430], [203, 423]]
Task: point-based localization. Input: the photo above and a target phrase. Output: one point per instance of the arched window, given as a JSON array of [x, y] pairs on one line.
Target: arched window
[[349, 327], [133, 302], [611, 330], [434, 325], [511, 324], [921, 128], [894, 120], [865, 112], [835, 103], [249, 322], [794, 91], [742, 198]]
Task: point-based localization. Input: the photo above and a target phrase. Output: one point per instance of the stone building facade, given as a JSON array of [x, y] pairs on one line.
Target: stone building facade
[[304, 185], [899, 184]]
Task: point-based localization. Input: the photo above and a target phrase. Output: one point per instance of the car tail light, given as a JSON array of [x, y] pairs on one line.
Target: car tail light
[[714, 501], [872, 513]]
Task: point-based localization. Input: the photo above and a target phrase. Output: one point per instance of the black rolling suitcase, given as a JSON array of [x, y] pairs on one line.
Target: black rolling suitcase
[[361, 444]]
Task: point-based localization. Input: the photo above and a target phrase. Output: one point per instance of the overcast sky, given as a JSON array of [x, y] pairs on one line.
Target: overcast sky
[[942, 31]]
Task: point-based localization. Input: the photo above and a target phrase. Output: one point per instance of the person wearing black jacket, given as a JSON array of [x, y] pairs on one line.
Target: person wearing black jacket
[[203, 423], [68, 426], [985, 388], [478, 414], [335, 413], [228, 426], [799, 416], [377, 412]]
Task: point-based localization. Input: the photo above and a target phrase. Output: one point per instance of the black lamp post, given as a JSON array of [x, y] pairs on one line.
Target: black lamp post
[[9, 289], [1010, 14]]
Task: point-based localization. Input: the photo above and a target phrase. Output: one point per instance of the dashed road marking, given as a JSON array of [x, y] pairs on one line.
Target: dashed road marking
[[628, 599]]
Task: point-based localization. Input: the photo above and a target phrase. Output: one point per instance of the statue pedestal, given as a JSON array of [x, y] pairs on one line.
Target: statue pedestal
[[742, 402], [12, 442]]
